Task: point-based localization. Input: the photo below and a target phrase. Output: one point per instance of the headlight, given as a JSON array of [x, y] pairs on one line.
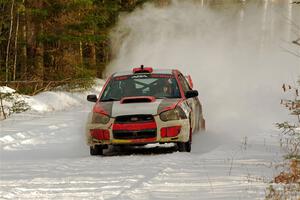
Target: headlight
[[100, 118], [175, 114]]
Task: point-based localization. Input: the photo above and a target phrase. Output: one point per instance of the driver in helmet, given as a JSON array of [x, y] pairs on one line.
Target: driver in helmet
[[164, 89]]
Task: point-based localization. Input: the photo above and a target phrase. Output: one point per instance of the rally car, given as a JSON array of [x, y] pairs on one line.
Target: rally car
[[144, 106]]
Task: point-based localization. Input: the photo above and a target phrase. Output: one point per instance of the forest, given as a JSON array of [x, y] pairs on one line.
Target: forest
[[44, 41]]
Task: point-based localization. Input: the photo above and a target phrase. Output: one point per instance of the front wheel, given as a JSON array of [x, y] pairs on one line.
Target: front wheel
[[185, 146], [96, 150]]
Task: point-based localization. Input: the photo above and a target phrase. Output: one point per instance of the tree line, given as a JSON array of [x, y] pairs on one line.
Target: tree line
[[43, 40]]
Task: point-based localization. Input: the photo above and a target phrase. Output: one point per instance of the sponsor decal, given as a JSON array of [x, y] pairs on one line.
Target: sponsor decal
[[119, 78], [134, 119], [162, 76], [139, 76]]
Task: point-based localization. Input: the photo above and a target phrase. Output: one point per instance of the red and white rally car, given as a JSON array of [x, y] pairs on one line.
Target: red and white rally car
[[144, 106]]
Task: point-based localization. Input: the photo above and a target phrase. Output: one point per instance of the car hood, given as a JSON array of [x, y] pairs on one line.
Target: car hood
[[116, 108]]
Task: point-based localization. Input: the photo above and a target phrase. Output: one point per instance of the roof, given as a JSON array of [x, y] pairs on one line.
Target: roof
[[155, 71]]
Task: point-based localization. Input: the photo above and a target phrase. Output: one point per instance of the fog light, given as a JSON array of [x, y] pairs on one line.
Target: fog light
[[172, 131], [100, 134]]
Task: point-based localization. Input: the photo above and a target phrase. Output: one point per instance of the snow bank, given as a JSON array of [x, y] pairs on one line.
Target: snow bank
[[53, 100], [57, 100], [5, 90]]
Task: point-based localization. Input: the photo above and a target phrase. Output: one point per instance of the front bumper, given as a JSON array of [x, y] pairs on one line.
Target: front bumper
[[183, 135]]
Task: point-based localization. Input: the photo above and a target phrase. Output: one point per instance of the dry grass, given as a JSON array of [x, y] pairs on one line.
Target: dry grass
[[293, 176], [287, 184]]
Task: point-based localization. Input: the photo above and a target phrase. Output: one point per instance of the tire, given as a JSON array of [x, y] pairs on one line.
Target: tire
[[185, 146], [96, 150]]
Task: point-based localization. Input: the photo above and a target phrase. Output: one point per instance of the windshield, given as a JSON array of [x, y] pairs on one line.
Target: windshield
[[157, 85]]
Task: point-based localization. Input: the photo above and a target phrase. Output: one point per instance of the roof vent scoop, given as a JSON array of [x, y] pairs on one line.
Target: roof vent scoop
[[139, 99], [142, 69]]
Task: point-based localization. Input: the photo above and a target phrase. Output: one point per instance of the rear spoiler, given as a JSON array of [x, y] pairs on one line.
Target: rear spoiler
[[190, 81]]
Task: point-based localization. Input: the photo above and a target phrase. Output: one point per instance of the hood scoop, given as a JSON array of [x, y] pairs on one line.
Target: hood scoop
[[138, 99]]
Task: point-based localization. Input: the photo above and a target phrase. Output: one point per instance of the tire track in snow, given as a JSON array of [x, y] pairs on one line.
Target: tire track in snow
[[127, 191]]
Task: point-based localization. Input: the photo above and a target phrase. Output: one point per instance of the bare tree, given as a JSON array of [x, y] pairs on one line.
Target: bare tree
[[23, 63], [16, 45], [9, 40]]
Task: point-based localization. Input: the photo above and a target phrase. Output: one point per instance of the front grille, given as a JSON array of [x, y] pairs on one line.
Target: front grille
[[134, 119], [134, 127], [134, 134]]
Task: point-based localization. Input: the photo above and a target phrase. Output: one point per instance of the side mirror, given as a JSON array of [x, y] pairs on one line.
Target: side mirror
[[92, 98], [191, 94]]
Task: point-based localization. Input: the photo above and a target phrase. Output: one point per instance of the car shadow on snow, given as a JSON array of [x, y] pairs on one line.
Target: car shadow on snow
[[140, 150], [202, 143]]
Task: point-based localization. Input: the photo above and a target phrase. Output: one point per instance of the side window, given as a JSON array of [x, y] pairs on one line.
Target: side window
[[184, 83]]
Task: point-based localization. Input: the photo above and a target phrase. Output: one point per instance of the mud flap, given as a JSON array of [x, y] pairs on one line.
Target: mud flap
[[186, 146]]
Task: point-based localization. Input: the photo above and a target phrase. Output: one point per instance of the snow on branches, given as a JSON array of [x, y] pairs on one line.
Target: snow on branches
[[291, 131], [11, 102]]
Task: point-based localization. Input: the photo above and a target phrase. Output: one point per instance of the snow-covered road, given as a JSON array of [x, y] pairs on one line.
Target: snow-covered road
[[43, 156]]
